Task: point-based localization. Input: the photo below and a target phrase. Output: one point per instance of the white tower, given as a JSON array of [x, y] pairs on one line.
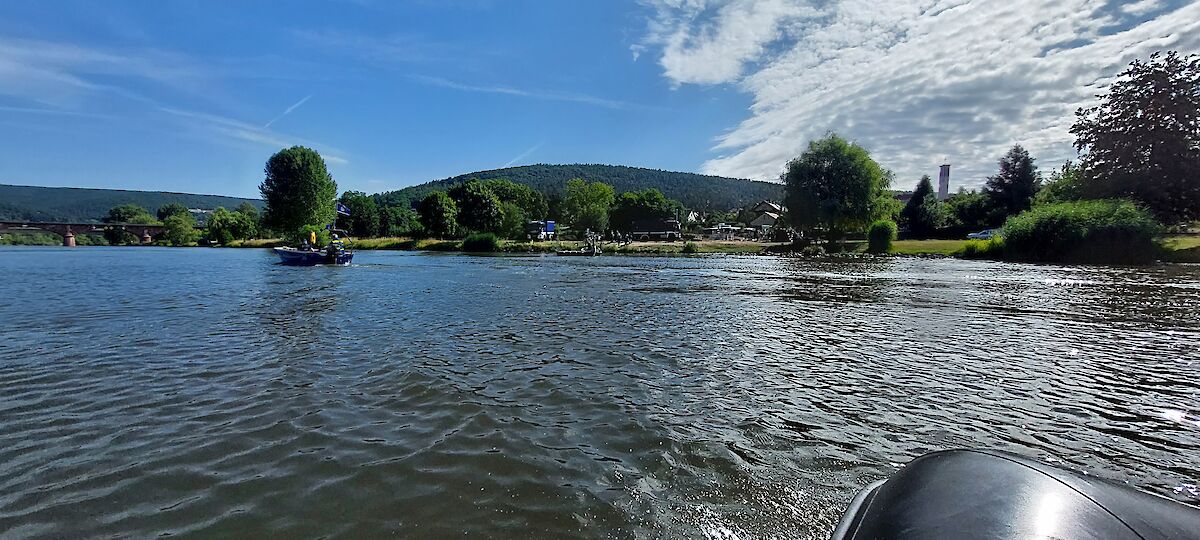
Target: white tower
[[944, 182]]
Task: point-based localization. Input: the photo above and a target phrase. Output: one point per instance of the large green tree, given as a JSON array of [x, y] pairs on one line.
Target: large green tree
[[923, 213], [129, 213], [399, 221], [969, 210], [1064, 185], [364, 214], [834, 187], [126, 213], [1143, 140], [586, 204], [634, 206], [167, 210], [298, 190], [532, 202], [181, 229], [478, 207], [439, 214], [1011, 190], [224, 226], [512, 221]]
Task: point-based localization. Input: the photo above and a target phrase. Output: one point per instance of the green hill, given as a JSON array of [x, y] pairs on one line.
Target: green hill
[[695, 191], [59, 204]]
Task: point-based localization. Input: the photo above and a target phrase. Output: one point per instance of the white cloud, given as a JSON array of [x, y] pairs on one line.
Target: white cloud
[[915, 81]]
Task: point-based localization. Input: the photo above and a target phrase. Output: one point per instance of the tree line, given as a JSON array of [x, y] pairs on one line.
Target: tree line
[[1137, 174]]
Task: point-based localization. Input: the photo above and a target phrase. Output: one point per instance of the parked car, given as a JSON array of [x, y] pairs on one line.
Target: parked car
[[986, 234]]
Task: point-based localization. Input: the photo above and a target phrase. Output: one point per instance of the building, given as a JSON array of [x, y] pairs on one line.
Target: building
[[767, 206], [765, 219], [944, 182]]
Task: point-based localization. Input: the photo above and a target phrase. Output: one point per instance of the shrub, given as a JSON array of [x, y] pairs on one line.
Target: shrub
[[1096, 231], [689, 247], [992, 248], [481, 243], [881, 235]]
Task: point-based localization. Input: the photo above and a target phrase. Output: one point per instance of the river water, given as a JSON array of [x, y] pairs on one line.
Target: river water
[[210, 392]]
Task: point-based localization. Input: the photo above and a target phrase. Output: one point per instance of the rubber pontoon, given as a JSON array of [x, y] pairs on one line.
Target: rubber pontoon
[[987, 494]]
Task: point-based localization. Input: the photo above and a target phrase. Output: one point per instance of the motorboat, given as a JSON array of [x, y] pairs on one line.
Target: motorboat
[[992, 494], [311, 257]]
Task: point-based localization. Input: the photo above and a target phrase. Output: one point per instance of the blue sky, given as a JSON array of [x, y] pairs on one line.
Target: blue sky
[[195, 95], [178, 95]]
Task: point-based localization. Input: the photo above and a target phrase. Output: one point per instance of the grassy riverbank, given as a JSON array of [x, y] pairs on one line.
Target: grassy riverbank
[[1179, 248]]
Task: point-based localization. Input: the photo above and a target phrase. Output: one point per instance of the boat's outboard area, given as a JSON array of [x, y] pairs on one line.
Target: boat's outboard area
[[986, 494]]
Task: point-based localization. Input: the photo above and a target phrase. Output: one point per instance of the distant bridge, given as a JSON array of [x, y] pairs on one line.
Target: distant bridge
[[67, 231]]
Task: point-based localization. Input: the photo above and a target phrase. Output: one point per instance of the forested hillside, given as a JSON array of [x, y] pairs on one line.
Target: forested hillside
[[58, 204], [695, 191]]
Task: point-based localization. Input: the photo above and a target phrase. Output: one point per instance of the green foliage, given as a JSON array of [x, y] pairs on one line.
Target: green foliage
[[481, 243], [834, 186], [992, 248], [167, 210], [881, 235], [1065, 184], [129, 213], [1143, 140], [225, 226], [364, 214], [888, 207], [924, 213], [512, 221], [689, 247], [439, 214], [586, 205], [83, 205], [692, 190], [1098, 231], [181, 229], [126, 213], [1012, 189], [478, 207], [528, 199], [969, 211], [305, 234], [399, 221], [635, 206], [298, 190]]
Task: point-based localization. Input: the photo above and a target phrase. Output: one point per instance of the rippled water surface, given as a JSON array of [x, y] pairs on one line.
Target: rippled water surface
[[146, 392]]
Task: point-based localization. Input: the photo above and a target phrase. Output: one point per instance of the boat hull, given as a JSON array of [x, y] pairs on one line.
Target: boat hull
[[300, 257]]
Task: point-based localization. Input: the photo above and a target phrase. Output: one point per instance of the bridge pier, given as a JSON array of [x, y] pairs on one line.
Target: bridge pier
[[69, 239]]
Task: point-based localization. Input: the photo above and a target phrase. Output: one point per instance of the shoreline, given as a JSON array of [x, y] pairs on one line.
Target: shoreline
[[1177, 248]]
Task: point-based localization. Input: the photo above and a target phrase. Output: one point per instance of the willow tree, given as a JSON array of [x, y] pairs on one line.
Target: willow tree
[[832, 188], [298, 190]]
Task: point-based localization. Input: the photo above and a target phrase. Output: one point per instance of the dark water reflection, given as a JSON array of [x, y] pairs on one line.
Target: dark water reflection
[[213, 393]]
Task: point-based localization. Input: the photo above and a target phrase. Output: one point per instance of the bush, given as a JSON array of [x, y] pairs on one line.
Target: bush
[[689, 247], [1097, 231], [881, 235], [481, 243], [992, 248]]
